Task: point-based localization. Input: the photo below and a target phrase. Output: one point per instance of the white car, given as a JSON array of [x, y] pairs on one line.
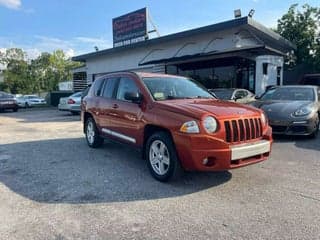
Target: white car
[[30, 101]]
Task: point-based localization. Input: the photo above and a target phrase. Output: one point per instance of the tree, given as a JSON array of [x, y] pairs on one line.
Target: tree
[[15, 74], [302, 28], [37, 75]]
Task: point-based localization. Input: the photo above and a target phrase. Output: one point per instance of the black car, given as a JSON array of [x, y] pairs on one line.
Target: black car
[[7, 101], [292, 110]]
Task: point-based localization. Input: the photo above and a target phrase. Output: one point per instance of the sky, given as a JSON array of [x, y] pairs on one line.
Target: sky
[[76, 26]]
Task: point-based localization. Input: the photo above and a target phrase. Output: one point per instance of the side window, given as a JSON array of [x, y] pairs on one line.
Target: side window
[[240, 94], [97, 87], [109, 87], [126, 85]]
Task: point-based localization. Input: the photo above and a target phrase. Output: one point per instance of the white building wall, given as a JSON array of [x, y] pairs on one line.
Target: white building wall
[[264, 80], [129, 59]]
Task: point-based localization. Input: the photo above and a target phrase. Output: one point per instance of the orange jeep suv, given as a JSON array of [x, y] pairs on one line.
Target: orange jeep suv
[[176, 122]]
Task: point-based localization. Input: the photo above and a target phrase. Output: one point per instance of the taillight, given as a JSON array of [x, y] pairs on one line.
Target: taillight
[[71, 101]]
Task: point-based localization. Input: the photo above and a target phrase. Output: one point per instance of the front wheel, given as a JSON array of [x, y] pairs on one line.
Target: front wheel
[[92, 134], [162, 158]]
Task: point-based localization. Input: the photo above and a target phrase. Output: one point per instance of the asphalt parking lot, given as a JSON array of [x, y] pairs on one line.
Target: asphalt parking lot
[[52, 186]]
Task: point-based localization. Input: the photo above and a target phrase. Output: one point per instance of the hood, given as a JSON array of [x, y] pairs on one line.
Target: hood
[[280, 109], [217, 108], [7, 99]]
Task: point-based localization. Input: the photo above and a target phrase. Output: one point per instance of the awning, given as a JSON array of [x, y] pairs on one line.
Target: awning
[[162, 56]]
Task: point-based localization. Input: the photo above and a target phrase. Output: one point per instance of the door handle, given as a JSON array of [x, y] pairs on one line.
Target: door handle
[[115, 106]]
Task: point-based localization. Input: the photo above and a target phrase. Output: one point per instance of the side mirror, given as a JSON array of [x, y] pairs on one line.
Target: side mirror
[[134, 97]]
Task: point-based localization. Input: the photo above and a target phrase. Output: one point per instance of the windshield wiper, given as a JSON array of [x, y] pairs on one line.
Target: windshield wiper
[[205, 97]]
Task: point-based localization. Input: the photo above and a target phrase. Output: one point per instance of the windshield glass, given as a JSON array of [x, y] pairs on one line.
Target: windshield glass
[[166, 88], [224, 94], [289, 94]]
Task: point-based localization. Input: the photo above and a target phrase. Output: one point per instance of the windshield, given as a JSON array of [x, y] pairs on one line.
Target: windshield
[[166, 88], [289, 94], [224, 94]]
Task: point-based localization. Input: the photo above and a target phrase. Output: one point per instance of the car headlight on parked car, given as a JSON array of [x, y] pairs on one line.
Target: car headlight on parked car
[[210, 124], [190, 127], [304, 111]]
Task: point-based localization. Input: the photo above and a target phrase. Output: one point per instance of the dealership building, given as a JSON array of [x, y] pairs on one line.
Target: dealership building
[[239, 53]]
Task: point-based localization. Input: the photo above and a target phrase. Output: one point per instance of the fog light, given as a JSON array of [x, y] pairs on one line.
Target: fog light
[[205, 161]]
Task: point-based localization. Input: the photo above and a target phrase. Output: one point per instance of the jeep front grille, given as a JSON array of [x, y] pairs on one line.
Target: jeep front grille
[[243, 129]]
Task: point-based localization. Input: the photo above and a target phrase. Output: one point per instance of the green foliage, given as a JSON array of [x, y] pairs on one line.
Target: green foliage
[[302, 27], [34, 76]]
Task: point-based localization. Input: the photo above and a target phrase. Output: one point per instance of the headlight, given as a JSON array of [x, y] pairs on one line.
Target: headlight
[[263, 119], [190, 127], [210, 124], [304, 111]]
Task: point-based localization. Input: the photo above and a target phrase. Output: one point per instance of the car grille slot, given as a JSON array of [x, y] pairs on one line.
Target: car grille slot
[[243, 129], [235, 131], [253, 132], [228, 131]]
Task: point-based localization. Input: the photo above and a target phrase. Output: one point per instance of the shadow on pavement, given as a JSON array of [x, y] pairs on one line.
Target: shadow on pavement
[[304, 142], [43, 114], [68, 171]]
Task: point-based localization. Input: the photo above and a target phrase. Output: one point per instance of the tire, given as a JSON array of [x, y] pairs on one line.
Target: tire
[[162, 158], [15, 109], [26, 105], [92, 134]]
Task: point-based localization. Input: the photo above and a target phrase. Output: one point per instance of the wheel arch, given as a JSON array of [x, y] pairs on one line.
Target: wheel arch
[[150, 129], [86, 116]]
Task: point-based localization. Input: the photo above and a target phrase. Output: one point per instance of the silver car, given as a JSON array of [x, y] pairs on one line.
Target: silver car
[[71, 103], [238, 95]]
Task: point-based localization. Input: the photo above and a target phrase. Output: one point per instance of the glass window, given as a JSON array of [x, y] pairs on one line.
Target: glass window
[[289, 94], [126, 85], [204, 76], [172, 69], [77, 94], [97, 87], [166, 88], [224, 94], [109, 87], [224, 76]]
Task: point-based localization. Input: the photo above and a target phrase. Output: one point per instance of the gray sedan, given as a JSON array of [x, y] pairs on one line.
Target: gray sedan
[[71, 103], [292, 110]]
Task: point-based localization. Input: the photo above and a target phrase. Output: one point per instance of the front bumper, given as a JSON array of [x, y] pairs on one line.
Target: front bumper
[[206, 153], [297, 127], [4, 106]]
